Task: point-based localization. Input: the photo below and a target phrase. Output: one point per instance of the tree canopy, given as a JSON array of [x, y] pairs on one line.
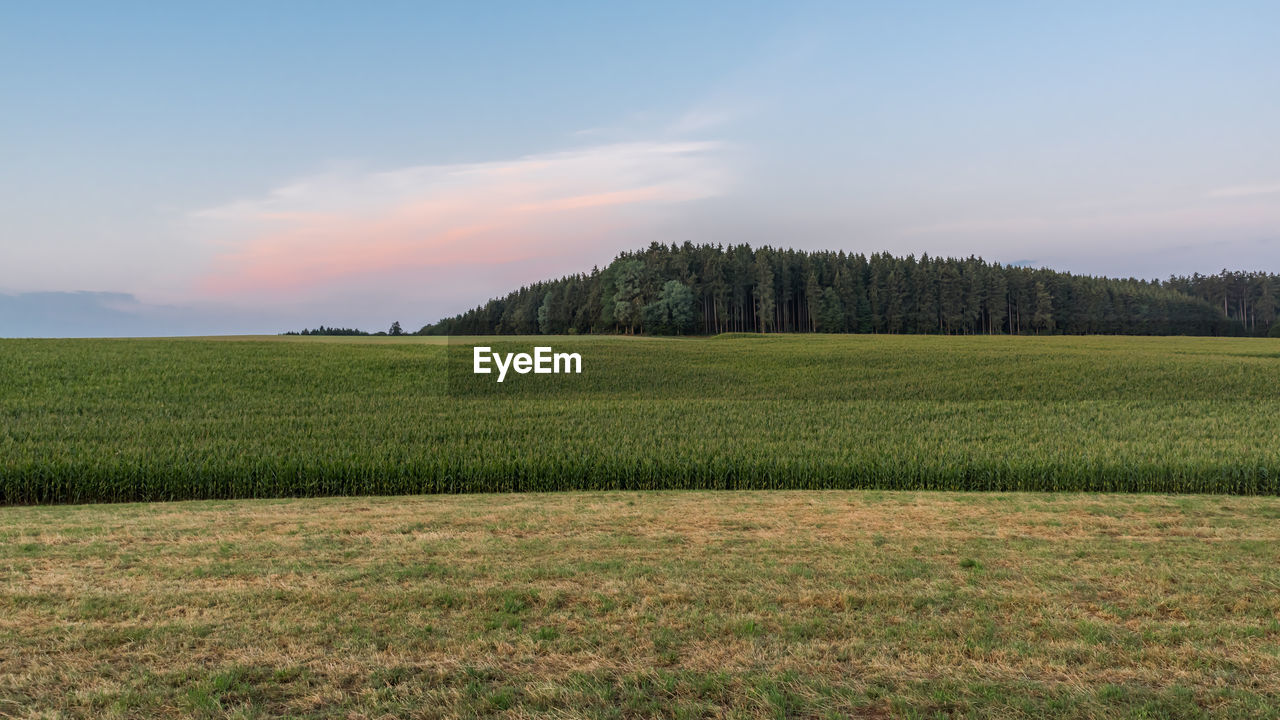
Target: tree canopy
[[705, 289]]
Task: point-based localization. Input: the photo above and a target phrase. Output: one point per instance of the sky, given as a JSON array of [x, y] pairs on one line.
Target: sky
[[249, 167]]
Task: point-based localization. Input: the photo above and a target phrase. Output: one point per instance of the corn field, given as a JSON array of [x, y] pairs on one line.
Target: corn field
[[176, 419]]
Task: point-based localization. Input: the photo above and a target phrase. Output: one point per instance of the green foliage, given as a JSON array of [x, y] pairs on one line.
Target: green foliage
[[672, 312], [1042, 320], [765, 294], [740, 289], [831, 317], [544, 314], [627, 299], [124, 420]]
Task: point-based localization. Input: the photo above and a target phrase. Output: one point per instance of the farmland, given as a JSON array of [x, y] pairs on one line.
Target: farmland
[[846, 591], [645, 604], [172, 419]]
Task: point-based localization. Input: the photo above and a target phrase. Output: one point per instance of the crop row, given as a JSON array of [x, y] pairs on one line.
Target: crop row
[[117, 420]]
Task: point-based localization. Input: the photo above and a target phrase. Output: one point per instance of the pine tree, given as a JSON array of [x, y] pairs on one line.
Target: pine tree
[[831, 312], [764, 294], [813, 299], [1043, 318]]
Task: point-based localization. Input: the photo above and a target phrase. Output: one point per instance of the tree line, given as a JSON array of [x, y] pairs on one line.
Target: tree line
[[705, 289], [1251, 299], [322, 330]]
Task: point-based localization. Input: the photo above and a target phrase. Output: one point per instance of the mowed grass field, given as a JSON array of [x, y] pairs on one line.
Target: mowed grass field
[[170, 419], [808, 604]]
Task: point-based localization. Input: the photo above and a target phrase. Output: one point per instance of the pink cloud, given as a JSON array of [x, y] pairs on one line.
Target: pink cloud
[[333, 228]]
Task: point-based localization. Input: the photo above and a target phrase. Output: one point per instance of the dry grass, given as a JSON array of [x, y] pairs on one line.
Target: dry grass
[[686, 604]]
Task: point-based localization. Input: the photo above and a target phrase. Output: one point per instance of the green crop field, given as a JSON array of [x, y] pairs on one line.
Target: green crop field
[[122, 420]]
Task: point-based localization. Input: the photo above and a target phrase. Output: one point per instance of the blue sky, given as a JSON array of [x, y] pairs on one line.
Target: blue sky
[[261, 166]]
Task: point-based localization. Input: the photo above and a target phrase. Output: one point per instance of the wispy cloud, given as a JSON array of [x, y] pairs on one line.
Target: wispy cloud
[[1245, 190], [700, 119], [337, 226], [1102, 225]]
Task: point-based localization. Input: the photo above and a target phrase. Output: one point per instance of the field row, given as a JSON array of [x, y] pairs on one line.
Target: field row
[[118, 420]]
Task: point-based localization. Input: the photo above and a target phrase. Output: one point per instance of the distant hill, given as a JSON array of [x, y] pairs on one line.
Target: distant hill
[[705, 289]]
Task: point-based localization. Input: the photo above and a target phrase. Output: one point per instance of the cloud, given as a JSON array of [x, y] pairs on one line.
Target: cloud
[[700, 119], [1104, 225], [115, 314], [1245, 190], [335, 227]]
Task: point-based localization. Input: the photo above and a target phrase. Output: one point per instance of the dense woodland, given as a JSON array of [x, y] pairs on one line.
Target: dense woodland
[[1250, 298], [703, 289]]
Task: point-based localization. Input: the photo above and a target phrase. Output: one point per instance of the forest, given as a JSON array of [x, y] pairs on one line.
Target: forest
[[711, 289]]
